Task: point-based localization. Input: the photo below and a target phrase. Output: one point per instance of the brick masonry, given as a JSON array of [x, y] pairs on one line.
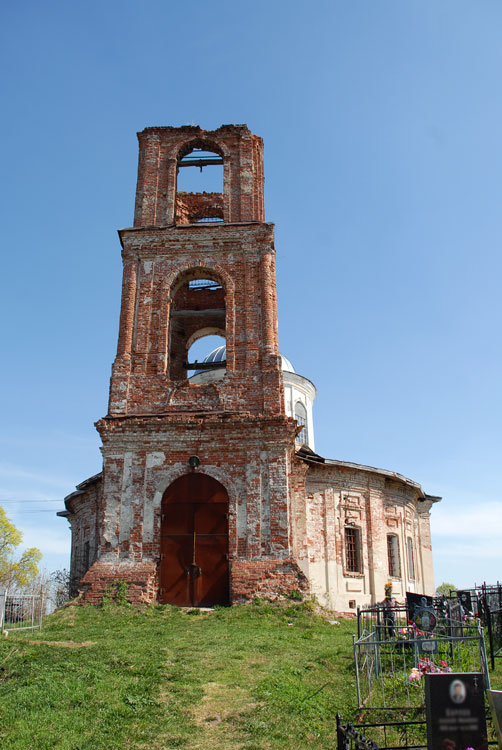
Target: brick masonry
[[287, 513]]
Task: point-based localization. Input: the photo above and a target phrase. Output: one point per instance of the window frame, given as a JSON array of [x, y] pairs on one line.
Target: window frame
[[302, 421], [354, 566], [393, 556], [412, 573]]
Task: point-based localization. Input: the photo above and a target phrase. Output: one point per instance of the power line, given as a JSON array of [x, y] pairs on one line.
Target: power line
[[42, 510], [5, 501]]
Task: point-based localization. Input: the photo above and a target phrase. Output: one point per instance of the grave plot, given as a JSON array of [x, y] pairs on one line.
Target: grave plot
[[393, 653]]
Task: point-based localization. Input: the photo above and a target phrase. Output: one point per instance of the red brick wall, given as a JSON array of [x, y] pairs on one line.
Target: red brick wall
[[159, 148], [241, 257], [101, 579], [190, 207], [267, 579], [286, 522]]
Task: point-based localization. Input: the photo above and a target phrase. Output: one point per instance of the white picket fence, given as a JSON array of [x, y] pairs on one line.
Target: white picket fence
[[20, 611]]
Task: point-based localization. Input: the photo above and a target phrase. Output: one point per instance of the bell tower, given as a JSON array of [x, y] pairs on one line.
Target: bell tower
[[195, 504]]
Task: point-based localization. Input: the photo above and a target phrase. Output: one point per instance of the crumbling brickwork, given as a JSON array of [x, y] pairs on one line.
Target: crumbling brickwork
[[159, 155], [374, 503], [285, 517], [192, 207]]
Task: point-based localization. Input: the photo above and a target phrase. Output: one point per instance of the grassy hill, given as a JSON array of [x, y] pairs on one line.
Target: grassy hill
[[251, 677], [257, 677]]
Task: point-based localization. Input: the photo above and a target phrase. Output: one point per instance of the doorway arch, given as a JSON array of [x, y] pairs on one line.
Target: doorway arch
[[194, 569]]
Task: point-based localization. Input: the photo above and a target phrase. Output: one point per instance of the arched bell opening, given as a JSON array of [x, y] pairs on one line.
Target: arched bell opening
[[194, 567], [198, 310], [199, 183], [208, 355]]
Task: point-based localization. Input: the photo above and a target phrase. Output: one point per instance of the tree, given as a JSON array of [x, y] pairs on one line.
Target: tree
[[444, 589], [15, 572], [61, 586]]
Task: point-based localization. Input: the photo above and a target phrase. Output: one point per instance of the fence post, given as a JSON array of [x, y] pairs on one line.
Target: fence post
[[482, 656], [3, 597], [356, 663], [489, 626]]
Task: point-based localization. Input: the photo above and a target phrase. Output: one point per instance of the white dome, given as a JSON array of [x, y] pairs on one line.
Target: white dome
[[220, 354], [286, 365], [299, 392]]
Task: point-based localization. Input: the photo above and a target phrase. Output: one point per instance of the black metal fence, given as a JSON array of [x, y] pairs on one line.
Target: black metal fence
[[485, 602], [385, 623], [392, 653], [349, 737], [490, 598], [400, 732], [405, 730]]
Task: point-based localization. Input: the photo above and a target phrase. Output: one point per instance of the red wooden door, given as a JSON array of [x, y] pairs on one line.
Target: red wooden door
[[194, 543]]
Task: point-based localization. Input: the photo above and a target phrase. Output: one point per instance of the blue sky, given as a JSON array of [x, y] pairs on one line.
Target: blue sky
[[381, 123]]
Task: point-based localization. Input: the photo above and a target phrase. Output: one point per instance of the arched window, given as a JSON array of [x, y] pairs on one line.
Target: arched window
[[199, 184], [198, 310], [208, 357], [301, 418], [393, 556]]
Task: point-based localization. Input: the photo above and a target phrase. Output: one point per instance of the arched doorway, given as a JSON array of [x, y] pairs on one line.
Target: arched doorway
[[194, 543]]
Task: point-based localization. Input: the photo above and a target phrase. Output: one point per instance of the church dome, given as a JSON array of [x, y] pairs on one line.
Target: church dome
[[217, 355], [299, 392], [286, 365], [220, 355]]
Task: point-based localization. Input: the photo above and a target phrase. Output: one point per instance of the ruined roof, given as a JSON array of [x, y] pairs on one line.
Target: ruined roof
[[194, 129], [309, 456], [79, 490]]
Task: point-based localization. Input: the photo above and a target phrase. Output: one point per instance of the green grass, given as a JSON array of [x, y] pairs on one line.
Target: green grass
[[257, 677], [252, 677]]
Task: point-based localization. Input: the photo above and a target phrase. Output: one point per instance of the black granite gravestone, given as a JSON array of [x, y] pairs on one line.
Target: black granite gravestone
[[455, 711], [417, 601]]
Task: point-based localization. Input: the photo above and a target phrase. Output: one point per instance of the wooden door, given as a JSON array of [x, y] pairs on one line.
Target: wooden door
[[194, 567]]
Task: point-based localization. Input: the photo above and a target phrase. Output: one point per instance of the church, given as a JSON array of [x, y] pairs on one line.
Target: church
[[211, 490]]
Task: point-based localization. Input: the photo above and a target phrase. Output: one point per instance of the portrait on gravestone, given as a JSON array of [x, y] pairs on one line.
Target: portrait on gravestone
[[455, 710], [466, 601], [458, 693], [425, 619]]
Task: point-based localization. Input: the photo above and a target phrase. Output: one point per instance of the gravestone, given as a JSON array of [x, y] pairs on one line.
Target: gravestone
[[455, 711], [495, 698], [415, 602]]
